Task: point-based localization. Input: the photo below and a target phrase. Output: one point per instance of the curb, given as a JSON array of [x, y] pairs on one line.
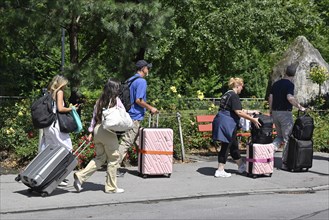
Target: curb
[[301, 190]]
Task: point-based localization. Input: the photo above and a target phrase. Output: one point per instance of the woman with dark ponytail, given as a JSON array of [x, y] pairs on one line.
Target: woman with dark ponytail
[[106, 142]]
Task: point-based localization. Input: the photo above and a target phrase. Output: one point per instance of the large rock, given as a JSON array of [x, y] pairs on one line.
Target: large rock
[[301, 51]]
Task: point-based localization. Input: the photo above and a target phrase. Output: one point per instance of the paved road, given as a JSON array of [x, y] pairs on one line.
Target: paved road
[[188, 181]]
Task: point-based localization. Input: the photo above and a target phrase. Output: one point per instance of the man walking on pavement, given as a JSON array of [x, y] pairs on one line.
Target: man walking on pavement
[[138, 99], [281, 100]]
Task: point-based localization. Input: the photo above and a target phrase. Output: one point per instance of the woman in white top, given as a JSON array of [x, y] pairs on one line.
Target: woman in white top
[[106, 142], [52, 134]]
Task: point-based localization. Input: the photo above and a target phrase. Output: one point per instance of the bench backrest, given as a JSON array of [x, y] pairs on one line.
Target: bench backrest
[[205, 122], [205, 125]]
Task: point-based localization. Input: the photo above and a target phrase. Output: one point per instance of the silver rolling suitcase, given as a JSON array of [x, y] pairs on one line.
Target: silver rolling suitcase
[[49, 168]]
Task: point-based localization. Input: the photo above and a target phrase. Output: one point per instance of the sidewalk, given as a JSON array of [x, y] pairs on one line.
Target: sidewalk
[[189, 180]]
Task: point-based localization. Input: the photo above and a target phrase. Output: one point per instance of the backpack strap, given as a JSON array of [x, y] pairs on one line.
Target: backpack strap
[[132, 80]]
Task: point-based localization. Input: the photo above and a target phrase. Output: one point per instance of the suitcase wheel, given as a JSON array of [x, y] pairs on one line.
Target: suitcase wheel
[[169, 174], [270, 175], [18, 178], [144, 176], [44, 194]]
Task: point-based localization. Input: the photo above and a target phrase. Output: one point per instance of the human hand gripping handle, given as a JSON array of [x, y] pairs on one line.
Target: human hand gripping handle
[[154, 110], [256, 122], [90, 137], [301, 108]]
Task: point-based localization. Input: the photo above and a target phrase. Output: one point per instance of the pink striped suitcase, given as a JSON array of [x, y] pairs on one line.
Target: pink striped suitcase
[[155, 154], [260, 159]]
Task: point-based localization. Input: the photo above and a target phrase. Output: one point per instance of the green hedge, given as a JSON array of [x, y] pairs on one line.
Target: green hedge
[[18, 137]]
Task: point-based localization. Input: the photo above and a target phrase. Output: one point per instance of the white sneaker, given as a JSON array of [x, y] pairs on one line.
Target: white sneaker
[[117, 190], [63, 183], [77, 184], [242, 168], [222, 173]]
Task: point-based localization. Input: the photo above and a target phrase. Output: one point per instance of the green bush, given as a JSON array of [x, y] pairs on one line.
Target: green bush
[[321, 134], [17, 133], [18, 136]]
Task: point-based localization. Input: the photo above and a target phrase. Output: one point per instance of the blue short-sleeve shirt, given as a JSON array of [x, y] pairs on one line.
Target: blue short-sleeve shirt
[[137, 91]]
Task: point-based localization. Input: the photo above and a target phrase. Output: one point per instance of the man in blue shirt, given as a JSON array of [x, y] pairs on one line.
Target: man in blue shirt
[[139, 106]]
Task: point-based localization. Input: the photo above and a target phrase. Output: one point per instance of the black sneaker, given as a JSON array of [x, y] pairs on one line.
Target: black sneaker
[[120, 174]]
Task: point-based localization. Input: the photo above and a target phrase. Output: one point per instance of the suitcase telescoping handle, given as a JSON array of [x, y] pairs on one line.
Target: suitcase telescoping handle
[[300, 113], [154, 123], [81, 148]]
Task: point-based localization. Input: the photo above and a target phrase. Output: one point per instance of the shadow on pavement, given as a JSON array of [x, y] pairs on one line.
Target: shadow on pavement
[[89, 186], [207, 171], [317, 157], [29, 193]]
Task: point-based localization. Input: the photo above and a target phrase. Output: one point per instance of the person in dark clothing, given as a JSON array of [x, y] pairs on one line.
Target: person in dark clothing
[[281, 100], [226, 124], [77, 98]]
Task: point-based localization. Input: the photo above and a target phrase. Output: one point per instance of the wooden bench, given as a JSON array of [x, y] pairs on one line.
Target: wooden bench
[[205, 126]]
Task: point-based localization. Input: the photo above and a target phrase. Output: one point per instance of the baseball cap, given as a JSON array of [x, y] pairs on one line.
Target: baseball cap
[[141, 63], [291, 69]]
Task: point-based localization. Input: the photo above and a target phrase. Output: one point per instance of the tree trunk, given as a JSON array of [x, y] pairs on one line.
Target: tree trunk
[[74, 54]]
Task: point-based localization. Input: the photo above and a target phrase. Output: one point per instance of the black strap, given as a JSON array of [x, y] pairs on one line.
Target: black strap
[[250, 156], [141, 146], [132, 80]]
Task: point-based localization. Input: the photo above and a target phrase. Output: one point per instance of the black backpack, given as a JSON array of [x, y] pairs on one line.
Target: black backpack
[[124, 94], [263, 134], [303, 127], [42, 111]]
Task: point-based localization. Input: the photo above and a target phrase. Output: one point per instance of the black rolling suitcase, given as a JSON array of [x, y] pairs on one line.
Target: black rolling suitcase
[[299, 154], [49, 168]]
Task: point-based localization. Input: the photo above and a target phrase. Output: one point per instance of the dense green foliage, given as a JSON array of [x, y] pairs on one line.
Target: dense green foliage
[[194, 44]]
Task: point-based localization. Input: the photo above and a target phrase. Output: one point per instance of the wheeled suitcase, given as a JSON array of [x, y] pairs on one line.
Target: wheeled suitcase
[[48, 169], [299, 154], [259, 159], [155, 154]]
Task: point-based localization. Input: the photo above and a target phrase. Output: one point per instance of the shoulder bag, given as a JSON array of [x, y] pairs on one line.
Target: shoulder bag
[[77, 120], [116, 119], [66, 122]]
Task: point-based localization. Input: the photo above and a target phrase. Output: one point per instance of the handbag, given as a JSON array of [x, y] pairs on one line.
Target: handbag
[[66, 122], [116, 119], [77, 120]]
